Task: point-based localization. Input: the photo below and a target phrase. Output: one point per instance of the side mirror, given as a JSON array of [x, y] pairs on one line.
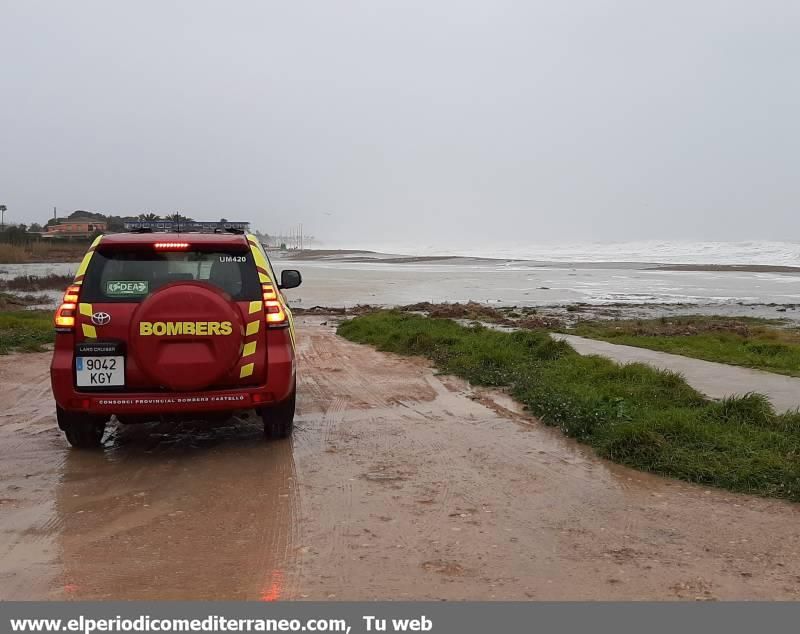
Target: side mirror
[[290, 279]]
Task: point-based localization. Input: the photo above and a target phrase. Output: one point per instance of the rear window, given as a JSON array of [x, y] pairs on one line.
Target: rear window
[[129, 276]]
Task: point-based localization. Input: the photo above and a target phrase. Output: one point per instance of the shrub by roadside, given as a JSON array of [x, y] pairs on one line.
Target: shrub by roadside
[[635, 415], [10, 302], [35, 283]]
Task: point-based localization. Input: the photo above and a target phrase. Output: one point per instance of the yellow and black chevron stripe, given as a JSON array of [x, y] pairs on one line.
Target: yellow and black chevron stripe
[[254, 319], [89, 331], [85, 262]]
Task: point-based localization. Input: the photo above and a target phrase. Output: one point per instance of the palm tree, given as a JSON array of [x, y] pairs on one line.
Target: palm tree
[[150, 216], [179, 219]]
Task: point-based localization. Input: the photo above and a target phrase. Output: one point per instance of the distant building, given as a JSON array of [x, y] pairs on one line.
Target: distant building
[[75, 228], [185, 225]]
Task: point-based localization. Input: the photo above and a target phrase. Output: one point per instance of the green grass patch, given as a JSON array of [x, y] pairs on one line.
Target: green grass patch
[[25, 331], [635, 415], [752, 343]]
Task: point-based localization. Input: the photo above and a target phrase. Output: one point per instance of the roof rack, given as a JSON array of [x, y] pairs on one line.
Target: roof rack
[[232, 230], [141, 230]]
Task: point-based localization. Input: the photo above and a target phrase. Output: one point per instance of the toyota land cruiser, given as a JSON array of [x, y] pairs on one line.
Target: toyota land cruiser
[[171, 325]]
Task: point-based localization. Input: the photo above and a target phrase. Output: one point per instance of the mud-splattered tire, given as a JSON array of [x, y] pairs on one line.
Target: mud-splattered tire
[[279, 419], [82, 431]]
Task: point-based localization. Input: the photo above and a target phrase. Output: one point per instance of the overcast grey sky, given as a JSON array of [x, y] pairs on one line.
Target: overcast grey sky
[[376, 121]]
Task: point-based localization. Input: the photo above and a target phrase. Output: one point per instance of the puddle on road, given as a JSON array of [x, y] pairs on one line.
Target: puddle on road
[[169, 511], [174, 511]]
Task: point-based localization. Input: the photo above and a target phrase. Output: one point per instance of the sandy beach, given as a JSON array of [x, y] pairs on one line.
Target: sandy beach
[[355, 255]]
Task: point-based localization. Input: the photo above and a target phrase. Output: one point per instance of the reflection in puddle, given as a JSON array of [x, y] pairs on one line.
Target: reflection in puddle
[[180, 510]]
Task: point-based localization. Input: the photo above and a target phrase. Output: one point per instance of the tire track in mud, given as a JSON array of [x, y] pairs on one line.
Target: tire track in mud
[[365, 393], [432, 455], [331, 420], [345, 395]]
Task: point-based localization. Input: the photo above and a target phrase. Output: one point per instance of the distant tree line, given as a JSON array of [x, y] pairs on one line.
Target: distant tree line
[[17, 235], [25, 234]]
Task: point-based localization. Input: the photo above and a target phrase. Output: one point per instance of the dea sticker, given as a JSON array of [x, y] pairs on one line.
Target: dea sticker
[[125, 288]]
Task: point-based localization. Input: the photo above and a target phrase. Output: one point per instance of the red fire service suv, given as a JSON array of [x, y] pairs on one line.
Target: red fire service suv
[[170, 325]]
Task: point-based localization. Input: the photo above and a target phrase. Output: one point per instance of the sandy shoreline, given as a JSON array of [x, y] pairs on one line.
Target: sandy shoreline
[[742, 268], [356, 256]]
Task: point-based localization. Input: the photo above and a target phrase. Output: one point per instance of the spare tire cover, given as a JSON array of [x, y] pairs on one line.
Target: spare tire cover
[[186, 336]]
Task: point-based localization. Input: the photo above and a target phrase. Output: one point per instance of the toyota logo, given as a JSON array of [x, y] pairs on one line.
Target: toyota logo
[[101, 319]]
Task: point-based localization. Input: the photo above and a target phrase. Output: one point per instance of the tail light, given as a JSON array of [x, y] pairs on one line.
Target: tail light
[[65, 315], [275, 314]]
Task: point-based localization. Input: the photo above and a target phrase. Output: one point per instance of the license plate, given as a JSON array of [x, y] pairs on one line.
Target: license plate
[[99, 371]]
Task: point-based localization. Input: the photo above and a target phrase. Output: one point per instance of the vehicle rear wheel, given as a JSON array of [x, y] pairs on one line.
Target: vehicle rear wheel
[[279, 419], [82, 430]]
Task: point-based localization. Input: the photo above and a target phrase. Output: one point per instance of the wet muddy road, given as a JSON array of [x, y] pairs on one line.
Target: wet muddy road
[[398, 485]]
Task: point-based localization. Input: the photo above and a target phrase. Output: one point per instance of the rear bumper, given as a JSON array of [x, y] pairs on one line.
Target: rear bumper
[[280, 382], [163, 403]]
